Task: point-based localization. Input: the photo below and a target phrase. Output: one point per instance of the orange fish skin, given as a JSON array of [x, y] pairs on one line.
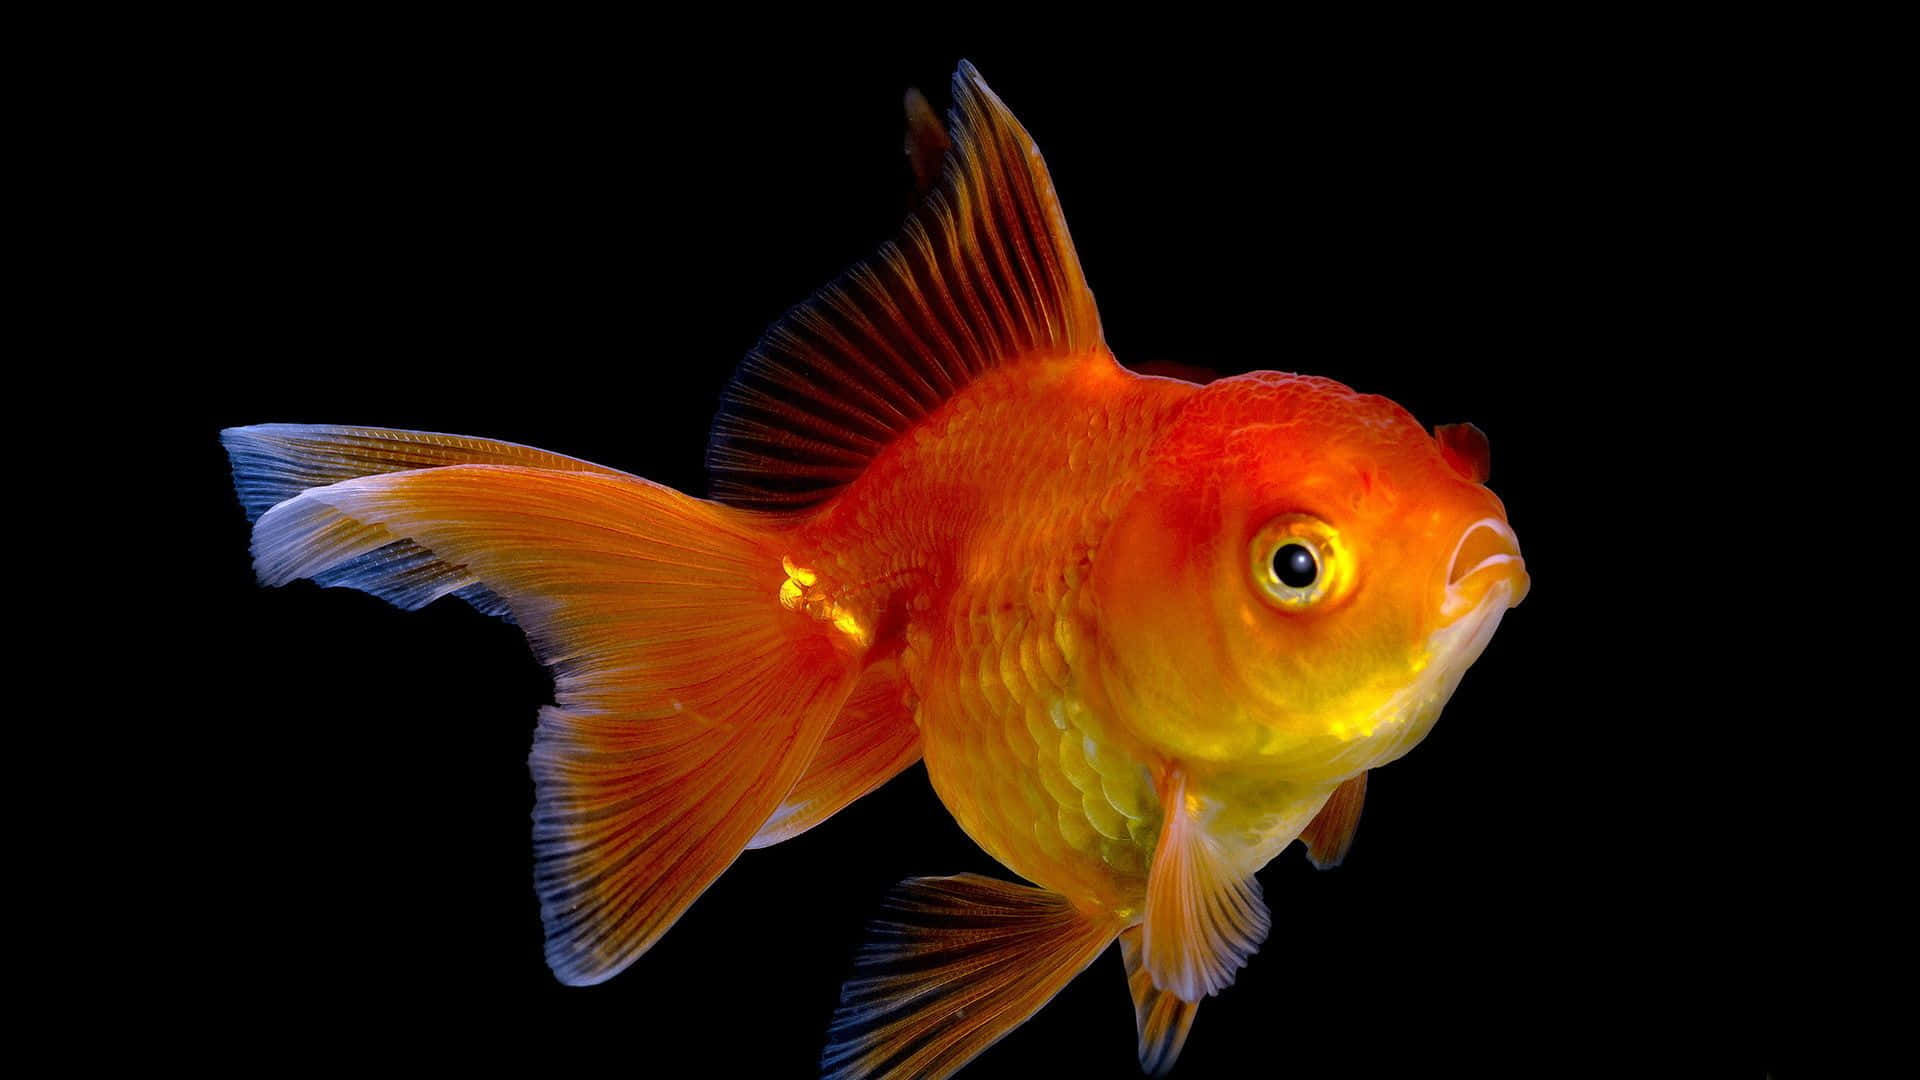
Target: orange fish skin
[[976, 532], [1054, 554]]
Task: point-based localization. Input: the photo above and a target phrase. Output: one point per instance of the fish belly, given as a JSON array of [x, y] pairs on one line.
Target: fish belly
[[1030, 773]]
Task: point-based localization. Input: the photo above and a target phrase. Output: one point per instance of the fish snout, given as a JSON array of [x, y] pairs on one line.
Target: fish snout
[[1486, 555]]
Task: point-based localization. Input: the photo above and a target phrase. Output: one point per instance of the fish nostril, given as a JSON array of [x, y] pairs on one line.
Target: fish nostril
[[1488, 542]]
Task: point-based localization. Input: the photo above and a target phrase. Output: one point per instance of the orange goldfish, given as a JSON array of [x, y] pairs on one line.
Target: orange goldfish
[[1145, 633]]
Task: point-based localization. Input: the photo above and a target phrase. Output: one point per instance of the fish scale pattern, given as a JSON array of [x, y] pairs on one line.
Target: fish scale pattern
[[993, 626]]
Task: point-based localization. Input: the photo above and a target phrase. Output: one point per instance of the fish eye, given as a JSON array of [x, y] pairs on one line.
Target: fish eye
[[1298, 562], [1295, 566]]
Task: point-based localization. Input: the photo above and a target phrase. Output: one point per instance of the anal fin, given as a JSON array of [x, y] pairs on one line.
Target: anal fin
[[1330, 834], [1162, 1019], [954, 964]]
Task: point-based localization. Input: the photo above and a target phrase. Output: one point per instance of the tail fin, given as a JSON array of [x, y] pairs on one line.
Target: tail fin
[[954, 965], [870, 742], [688, 700], [275, 462]]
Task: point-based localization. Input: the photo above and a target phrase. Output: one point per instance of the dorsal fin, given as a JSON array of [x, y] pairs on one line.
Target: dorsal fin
[[927, 142], [982, 274]]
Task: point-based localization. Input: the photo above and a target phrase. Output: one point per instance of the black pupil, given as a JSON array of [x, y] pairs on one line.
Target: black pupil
[[1293, 564]]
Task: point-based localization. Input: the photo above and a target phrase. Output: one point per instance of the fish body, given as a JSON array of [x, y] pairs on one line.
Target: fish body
[[978, 536], [1144, 632]]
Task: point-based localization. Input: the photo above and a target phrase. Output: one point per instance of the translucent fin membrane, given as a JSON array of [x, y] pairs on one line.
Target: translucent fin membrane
[[952, 965], [1330, 834], [983, 274], [1162, 1019], [273, 463]]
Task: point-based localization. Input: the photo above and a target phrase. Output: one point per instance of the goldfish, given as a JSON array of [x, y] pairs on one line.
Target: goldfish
[[1144, 632]]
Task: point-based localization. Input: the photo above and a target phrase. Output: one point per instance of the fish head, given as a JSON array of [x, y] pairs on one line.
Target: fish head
[[1300, 579]]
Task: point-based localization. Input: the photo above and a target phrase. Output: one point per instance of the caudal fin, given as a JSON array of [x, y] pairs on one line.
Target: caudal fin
[[687, 699], [275, 462], [870, 742]]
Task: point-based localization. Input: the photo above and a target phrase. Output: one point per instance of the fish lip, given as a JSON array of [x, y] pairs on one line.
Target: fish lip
[[1472, 572]]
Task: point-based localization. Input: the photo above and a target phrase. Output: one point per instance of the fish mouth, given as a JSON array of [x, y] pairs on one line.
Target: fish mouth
[[1486, 555]]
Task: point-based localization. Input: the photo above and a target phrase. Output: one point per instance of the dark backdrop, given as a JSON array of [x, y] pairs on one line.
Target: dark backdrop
[[566, 245]]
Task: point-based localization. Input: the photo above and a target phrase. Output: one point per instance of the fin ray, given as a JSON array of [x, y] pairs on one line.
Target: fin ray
[[871, 741], [1161, 1018], [952, 966], [1204, 918], [1329, 836], [274, 462], [982, 275]]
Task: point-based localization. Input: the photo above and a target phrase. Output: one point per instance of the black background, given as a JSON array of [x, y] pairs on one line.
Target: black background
[[562, 243]]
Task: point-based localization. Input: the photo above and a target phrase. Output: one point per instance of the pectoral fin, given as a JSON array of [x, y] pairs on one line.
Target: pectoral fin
[[1330, 833], [1204, 917]]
